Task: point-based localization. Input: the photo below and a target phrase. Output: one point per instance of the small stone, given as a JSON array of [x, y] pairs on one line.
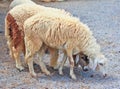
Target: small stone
[[92, 75], [105, 76]]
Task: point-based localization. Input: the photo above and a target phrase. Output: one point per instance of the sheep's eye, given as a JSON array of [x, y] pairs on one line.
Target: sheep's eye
[[101, 64]]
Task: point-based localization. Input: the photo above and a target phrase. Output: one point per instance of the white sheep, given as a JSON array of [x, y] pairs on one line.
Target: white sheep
[[14, 30], [18, 2], [15, 37], [64, 33]]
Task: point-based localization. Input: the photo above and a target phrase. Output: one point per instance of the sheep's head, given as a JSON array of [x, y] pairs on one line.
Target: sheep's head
[[99, 63]]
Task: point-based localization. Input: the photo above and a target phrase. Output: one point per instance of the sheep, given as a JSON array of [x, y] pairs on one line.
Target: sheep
[[14, 27], [60, 32], [18, 2], [14, 3], [14, 32]]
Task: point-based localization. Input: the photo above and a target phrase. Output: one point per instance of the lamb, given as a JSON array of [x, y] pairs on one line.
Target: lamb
[[14, 32], [60, 32]]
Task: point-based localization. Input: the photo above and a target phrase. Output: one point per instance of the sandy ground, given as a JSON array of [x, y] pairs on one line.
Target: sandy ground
[[103, 17]]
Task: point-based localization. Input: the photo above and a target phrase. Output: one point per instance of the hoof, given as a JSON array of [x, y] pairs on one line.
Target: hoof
[[60, 72], [47, 73], [73, 77], [20, 68], [34, 75]]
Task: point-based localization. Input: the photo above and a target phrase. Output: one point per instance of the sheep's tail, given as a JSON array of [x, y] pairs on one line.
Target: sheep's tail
[[8, 34], [8, 29]]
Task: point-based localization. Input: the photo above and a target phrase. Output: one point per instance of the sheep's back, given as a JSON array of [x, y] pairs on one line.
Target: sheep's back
[[24, 11], [54, 29]]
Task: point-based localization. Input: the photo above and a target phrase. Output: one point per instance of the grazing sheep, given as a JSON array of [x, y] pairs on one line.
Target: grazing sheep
[[60, 32], [14, 32]]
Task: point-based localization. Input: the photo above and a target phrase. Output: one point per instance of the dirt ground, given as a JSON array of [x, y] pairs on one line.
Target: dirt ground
[[103, 17]]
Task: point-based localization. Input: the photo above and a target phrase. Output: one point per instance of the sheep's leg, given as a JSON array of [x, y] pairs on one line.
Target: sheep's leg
[[41, 63], [29, 61], [62, 64], [54, 58], [9, 43], [32, 46], [16, 54], [30, 65], [70, 57]]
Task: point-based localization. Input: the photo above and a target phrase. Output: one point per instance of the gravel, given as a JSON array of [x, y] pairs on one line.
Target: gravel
[[103, 18]]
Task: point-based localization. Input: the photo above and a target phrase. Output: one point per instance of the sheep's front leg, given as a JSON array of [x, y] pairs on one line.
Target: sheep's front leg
[[70, 57], [29, 61], [54, 58], [41, 63], [62, 64]]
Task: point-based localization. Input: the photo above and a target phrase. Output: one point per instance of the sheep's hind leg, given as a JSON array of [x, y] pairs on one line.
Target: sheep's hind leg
[[16, 54], [9, 43], [41, 63]]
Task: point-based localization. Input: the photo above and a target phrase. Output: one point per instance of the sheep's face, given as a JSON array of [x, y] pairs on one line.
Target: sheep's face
[[99, 64]]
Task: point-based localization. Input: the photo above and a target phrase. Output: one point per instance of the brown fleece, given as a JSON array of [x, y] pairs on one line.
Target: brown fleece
[[15, 34]]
